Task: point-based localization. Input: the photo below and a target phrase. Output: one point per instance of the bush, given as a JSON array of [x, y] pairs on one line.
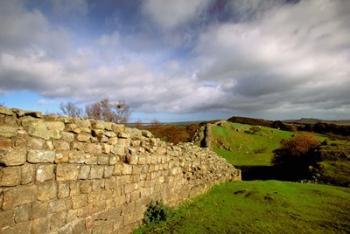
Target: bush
[[297, 155], [155, 213]]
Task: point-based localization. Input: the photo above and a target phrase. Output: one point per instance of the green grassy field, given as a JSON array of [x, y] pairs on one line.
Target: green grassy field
[[241, 147], [265, 206], [262, 207]]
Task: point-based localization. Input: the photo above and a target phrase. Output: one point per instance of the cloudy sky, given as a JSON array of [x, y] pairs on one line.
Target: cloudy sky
[[179, 59]]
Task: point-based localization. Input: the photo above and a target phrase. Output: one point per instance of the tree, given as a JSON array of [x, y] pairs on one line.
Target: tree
[[296, 155], [105, 110], [71, 109]]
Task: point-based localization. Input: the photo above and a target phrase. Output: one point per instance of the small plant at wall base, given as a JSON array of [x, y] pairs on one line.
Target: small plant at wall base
[[156, 212]]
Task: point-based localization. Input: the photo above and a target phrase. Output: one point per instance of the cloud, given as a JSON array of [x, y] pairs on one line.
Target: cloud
[[69, 7], [171, 14], [285, 58]]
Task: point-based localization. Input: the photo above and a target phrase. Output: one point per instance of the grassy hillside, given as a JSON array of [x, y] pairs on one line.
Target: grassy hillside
[[246, 145], [262, 207]]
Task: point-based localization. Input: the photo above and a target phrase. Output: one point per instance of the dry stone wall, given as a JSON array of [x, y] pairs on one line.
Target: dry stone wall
[[69, 175]]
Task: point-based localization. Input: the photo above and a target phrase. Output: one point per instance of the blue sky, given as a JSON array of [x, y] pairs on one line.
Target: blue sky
[[181, 59]]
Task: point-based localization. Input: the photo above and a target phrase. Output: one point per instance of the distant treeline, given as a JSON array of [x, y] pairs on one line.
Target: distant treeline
[[319, 127]]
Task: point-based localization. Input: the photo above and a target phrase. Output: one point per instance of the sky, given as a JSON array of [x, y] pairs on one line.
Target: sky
[[181, 59]]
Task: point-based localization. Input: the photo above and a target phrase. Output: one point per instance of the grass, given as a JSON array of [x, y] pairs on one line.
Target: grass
[[262, 207], [242, 147]]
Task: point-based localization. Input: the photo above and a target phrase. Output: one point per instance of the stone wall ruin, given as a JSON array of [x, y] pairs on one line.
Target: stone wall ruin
[[69, 175]]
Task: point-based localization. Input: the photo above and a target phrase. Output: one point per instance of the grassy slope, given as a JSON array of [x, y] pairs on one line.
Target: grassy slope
[[262, 207], [246, 149]]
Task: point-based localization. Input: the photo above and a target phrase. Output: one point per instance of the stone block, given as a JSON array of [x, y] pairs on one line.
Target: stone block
[[96, 172], [62, 157], [57, 221], [108, 171], [63, 190], [6, 111], [118, 150], [84, 137], [67, 136], [113, 160], [22, 213], [45, 172], [41, 156], [8, 131], [38, 210], [74, 188], [103, 160], [13, 157], [61, 145], [40, 225], [147, 134], [118, 127], [85, 186], [5, 143], [27, 173], [84, 172], [55, 125], [6, 218], [18, 196], [38, 128], [57, 206], [47, 191], [123, 135], [113, 141], [79, 201], [76, 157], [10, 176], [93, 148], [66, 172], [35, 143]]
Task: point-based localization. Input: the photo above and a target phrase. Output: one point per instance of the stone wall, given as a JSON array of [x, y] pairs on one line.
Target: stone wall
[[66, 175]]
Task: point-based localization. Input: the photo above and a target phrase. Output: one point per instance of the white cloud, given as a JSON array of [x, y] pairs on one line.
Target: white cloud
[[295, 55], [170, 14]]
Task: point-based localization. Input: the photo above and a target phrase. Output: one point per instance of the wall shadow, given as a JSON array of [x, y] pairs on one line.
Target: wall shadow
[[264, 173]]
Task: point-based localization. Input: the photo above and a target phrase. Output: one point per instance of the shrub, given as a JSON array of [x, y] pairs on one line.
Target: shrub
[[156, 212], [297, 155]]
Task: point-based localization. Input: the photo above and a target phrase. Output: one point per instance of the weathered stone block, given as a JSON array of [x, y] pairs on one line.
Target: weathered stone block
[[5, 143], [57, 206], [56, 125], [76, 157], [85, 186], [118, 150], [96, 172], [45, 172], [79, 201], [18, 196], [57, 221], [6, 218], [147, 134], [22, 213], [118, 127], [6, 111], [47, 191], [123, 135], [103, 160], [8, 131], [113, 141], [67, 136], [40, 226], [10, 176], [67, 172], [13, 157], [84, 137], [84, 172], [61, 145], [63, 190], [108, 171], [27, 173], [62, 157], [93, 148], [38, 210], [41, 156]]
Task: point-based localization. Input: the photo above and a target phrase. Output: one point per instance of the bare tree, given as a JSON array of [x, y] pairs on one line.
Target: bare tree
[[105, 110], [71, 109]]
